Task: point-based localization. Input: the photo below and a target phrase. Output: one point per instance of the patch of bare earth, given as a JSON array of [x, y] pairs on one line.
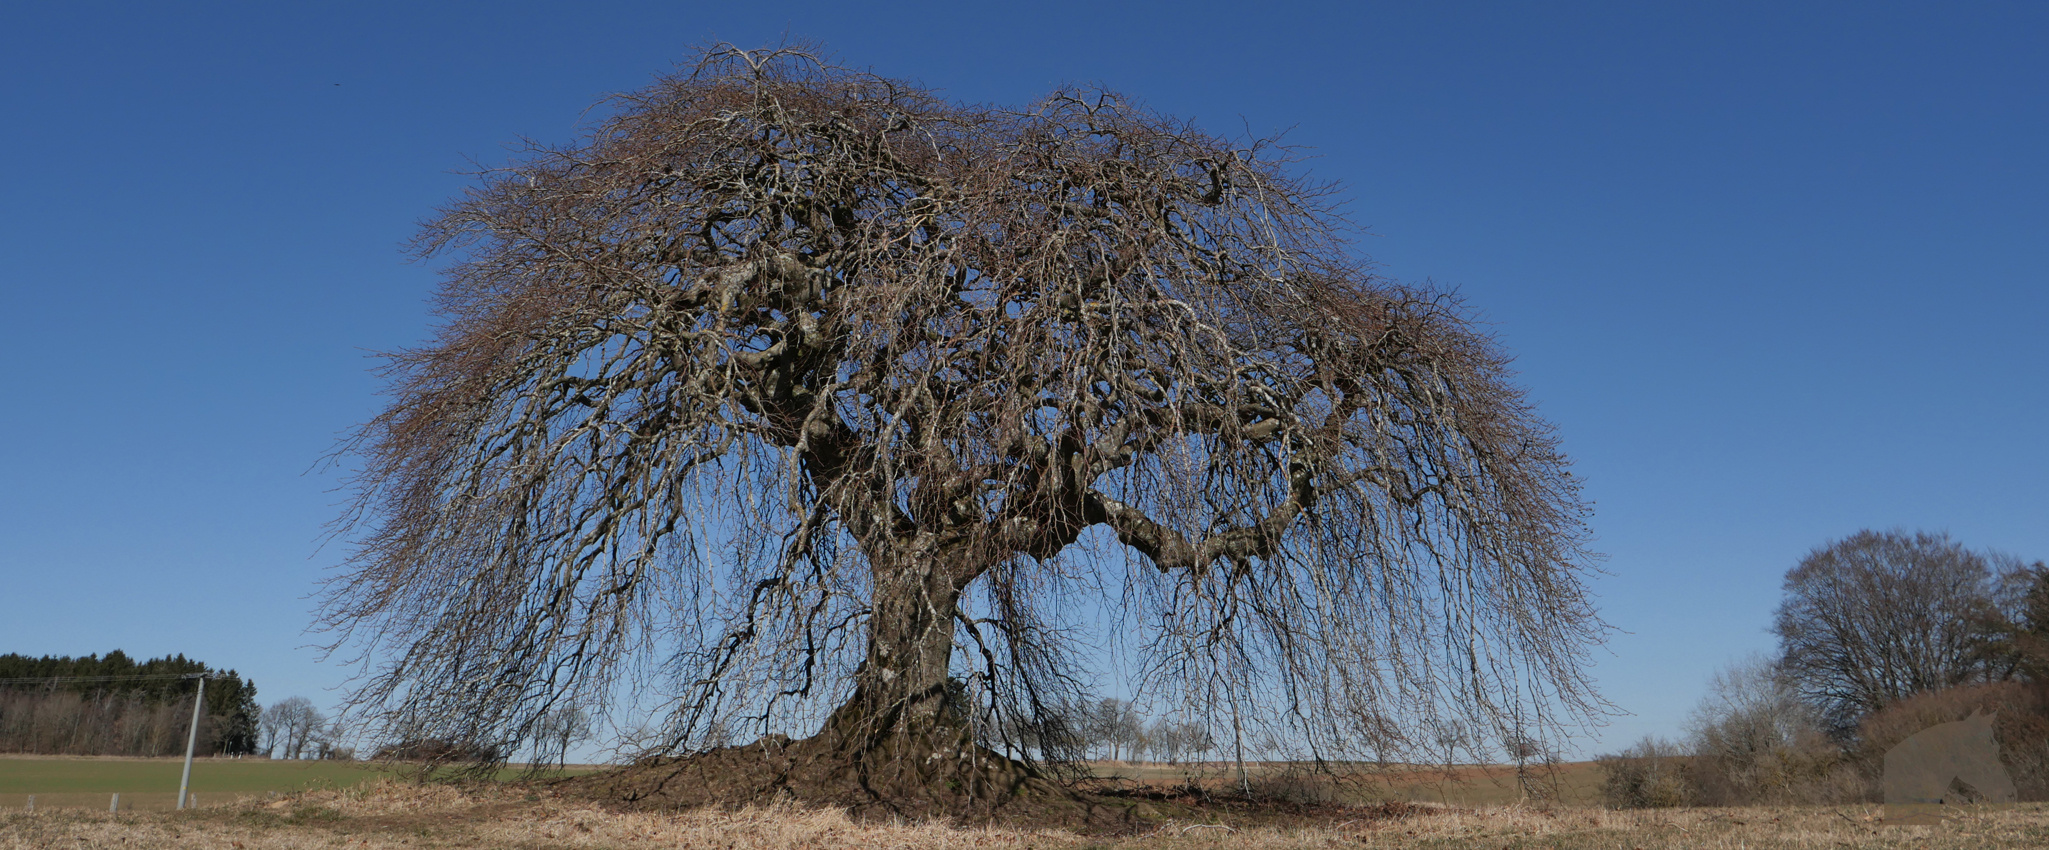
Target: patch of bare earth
[[902, 778]]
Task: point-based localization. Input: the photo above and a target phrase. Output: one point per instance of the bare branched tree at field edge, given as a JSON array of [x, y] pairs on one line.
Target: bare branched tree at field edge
[[836, 403]]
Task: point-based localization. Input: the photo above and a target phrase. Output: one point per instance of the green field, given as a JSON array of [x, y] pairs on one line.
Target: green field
[[152, 784]]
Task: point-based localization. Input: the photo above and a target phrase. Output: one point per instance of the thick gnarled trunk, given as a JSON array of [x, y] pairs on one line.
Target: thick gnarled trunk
[[901, 686]]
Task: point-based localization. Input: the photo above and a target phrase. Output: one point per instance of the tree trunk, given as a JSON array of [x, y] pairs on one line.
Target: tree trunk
[[898, 745], [901, 686]]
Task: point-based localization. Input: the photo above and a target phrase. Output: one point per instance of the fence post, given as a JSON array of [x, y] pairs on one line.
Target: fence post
[[31, 802], [116, 805]]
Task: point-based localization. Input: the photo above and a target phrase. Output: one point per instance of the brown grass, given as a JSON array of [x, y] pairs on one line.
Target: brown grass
[[394, 815], [1460, 786]]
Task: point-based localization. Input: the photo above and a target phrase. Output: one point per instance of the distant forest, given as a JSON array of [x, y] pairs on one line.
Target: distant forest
[[115, 705]]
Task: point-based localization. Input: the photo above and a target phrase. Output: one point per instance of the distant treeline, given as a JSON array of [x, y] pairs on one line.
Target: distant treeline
[[1882, 635], [115, 705]]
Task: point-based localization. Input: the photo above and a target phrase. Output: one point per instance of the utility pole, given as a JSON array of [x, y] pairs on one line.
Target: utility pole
[[192, 738]]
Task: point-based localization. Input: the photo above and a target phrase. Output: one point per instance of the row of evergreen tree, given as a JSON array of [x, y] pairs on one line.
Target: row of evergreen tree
[[115, 705]]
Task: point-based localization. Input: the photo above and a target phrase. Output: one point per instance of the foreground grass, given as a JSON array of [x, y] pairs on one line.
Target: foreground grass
[[151, 784], [385, 814]]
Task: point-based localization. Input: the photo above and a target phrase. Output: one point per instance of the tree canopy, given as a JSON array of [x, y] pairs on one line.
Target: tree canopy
[[812, 392], [1880, 616]]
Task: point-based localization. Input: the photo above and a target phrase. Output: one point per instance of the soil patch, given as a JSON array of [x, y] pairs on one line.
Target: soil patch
[[907, 779], [963, 786]]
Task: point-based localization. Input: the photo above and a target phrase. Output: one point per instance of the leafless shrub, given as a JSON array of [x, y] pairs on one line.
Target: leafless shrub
[[1649, 774], [1754, 741]]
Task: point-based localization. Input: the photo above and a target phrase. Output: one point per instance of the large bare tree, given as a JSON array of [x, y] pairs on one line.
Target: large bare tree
[[1880, 616], [852, 409]]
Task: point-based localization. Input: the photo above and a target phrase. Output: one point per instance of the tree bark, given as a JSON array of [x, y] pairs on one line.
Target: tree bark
[[901, 685]]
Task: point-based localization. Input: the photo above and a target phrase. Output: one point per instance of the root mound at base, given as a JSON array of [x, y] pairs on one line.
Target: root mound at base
[[914, 777]]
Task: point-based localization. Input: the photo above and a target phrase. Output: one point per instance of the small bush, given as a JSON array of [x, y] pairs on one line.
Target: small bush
[[1753, 741], [1650, 774]]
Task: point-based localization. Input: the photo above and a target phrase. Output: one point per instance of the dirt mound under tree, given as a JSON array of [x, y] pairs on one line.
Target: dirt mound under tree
[[940, 774]]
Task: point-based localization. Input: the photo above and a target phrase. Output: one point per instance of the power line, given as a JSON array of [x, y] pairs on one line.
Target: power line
[[139, 677]]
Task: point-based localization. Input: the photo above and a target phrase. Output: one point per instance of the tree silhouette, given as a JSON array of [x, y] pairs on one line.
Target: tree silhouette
[[815, 389]]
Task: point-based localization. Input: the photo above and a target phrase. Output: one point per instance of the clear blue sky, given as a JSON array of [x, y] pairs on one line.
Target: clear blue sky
[[1775, 271]]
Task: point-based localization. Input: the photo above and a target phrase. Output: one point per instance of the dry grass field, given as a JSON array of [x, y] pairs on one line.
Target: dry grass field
[[387, 814], [1569, 783]]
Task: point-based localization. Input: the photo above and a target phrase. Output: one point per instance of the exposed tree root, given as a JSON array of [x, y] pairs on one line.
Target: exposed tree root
[[937, 775]]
